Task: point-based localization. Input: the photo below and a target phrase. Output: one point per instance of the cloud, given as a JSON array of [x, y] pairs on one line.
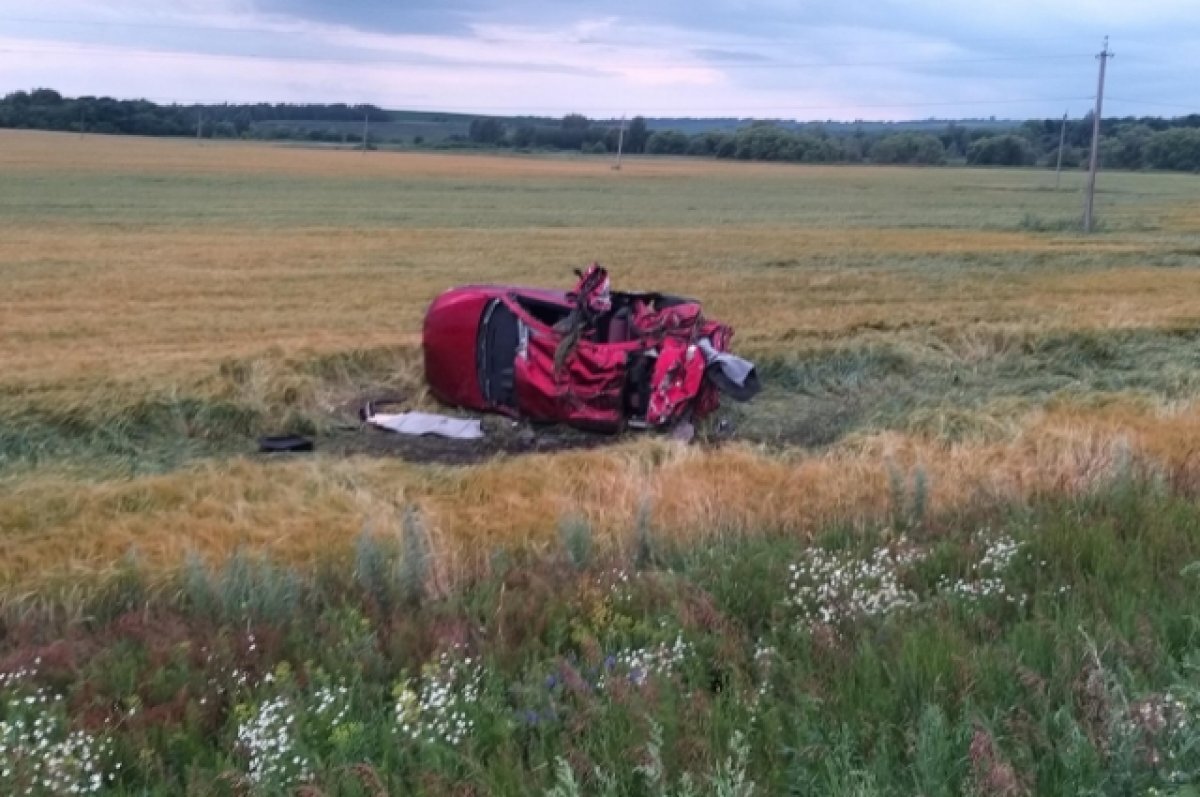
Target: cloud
[[854, 59]]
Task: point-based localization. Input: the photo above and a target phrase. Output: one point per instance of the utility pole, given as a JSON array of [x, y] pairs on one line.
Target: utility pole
[[1062, 140], [81, 120], [620, 144], [366, 129], [199, 124], [1094, 160]]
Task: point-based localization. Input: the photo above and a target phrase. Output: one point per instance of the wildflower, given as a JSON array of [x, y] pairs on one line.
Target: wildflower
[[268, 737], [437, 712], [986, 578], [37, 747], [640, 664], [828, 588]]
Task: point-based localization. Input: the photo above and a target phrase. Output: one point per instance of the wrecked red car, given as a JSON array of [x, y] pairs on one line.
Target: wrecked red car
[[590, 357]]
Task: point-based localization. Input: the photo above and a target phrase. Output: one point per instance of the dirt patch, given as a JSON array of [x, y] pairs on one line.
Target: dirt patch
[[352, 436], [501, 436]]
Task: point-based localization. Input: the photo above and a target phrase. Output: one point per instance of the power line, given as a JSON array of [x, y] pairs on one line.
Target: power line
[[1193, 108], [437, 61], [290, 26]]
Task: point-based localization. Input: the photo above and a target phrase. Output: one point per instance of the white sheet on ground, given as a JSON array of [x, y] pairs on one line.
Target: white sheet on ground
[[421, 423]]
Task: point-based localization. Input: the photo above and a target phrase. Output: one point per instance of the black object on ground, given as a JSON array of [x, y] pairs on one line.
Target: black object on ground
[[285, 444]]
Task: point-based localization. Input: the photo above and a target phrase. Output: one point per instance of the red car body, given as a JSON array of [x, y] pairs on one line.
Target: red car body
[[497, 348]]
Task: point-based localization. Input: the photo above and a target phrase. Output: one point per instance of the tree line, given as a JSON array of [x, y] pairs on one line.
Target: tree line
[[1126, 143], [46, 109], [1145, 143]]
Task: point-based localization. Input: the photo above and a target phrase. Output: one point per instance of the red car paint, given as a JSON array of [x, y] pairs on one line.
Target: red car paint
[[449, 337], [592, 387]]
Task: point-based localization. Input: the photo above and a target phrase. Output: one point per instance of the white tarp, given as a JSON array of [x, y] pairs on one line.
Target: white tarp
[[421, 423]]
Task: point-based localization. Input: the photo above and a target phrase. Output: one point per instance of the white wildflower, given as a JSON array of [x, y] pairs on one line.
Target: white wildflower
[[438, 710], [827, 587], [37, 748], [268, 738]]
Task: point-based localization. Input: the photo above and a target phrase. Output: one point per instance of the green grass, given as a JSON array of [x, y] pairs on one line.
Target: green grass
[[919, 382], [852, 197], [815, 397], [1075, 673], [901, 381]]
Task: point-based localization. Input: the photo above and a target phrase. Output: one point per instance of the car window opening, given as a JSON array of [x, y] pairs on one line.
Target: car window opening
[[548, 313]]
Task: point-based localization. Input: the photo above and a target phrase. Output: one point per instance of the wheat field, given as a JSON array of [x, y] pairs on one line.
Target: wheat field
[[162, 302]]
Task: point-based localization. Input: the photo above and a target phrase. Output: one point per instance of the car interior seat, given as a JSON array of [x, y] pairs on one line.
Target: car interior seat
[[618, 327]]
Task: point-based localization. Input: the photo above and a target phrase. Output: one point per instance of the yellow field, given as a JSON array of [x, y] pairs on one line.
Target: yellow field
[[136, 268]]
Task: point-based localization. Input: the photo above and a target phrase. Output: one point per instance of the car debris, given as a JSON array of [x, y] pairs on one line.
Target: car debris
[[591, 358], [285, 444]]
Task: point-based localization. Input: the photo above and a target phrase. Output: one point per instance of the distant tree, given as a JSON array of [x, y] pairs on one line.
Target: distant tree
[[698, 145], [911, 148], [854, 148], [667, 142], [763, 141], [636, 136], [1004, 150], [486, 130], [1177, 149], [710, 143], [576, 121], [45, 97], [955, 140], [1127, 142], [523, 136], [1125, 148]]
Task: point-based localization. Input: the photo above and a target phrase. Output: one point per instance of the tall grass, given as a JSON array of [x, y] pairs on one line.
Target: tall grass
[[1044, 648]]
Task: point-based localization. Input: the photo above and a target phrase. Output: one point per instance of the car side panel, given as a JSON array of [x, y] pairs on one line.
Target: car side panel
[[586, 392]]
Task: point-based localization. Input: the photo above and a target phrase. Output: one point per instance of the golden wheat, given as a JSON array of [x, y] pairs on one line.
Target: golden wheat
[[99, 309]]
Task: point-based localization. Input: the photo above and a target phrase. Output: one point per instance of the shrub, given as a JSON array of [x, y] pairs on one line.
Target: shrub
[[1005, 150], [912, 148], [667, 142], [1177, 149]]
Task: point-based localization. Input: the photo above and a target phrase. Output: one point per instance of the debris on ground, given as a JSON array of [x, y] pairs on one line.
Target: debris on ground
[[428, 423]]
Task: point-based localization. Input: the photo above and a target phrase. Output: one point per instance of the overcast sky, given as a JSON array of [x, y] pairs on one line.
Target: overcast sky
[[820, 59]]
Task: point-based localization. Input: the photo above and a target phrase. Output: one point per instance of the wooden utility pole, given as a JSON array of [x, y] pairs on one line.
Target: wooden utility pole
[[199, 124], [620, 144], [366, 129], [1062, 140], [1094, 160]]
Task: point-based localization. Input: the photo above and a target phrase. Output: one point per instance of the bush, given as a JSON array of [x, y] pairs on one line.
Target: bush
[[1126, 148], [667, 142], [912, 148], [1005, 150], [763, 142], [1177, 149]]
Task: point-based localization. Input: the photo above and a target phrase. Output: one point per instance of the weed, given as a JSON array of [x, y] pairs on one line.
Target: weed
[[413, 569], [576, 536]]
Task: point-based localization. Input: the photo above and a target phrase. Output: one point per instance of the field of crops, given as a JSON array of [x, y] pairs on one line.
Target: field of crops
[[987, 419]]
